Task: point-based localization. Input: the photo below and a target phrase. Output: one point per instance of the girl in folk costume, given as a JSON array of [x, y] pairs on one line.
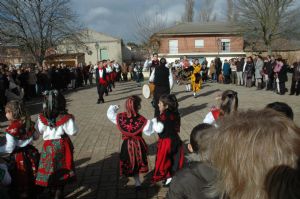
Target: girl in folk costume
[[23, 156], [56, 166], [228, 105], [196, 77], [170, 154], [133, 155]]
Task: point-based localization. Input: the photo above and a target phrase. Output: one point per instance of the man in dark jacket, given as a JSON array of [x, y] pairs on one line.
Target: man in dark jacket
[[192, 181], [218, 64], [268, 68], [295, 86], [162, 78], [239, 71], [3, 86]]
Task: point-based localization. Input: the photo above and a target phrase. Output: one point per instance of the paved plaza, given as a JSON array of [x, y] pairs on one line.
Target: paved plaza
[[98, 143]]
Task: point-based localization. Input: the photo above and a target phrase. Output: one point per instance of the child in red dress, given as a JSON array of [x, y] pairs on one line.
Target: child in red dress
[[56, 166], [23, 156], [133, 155], [170, 154]]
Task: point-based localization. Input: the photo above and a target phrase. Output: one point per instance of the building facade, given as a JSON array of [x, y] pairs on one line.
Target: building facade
[[196, 40], [14, 55], [96, 46]]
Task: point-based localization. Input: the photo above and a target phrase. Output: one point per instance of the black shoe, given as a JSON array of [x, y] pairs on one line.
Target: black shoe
[[291, 93], [98, 102], [138, 188], [102, 101], [297, 94], [106, 94]]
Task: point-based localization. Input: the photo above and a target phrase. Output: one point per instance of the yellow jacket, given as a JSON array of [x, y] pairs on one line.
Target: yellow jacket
[[197, 69]]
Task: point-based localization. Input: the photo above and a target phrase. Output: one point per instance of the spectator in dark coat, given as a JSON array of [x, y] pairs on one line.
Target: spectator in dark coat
[[226, 71], [295, 86], [249, 70], [3, 86], [268, 68], [239, 71], [57, 78], [22, 77], [218, 64], [192, 181]]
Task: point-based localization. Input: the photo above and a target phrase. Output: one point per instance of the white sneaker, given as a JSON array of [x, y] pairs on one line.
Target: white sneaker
[[168, 181]]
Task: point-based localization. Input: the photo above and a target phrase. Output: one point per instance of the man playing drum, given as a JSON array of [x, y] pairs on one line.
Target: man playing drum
[[162, 78]]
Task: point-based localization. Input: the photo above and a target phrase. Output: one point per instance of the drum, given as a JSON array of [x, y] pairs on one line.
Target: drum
[[148, 90], [152, 87]]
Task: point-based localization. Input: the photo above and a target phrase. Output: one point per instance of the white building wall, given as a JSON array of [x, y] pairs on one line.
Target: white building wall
[[113, 47], [112, 44]]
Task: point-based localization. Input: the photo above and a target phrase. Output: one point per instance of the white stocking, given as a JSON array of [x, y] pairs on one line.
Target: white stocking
[[137, 180]]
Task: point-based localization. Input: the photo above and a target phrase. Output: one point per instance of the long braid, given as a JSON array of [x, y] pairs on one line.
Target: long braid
[[132, 105], [54, 105]]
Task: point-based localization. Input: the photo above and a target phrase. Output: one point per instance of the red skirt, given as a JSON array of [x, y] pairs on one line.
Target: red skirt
[[168, 160], [108, 77], [56, 165], [113, 76], [25, 162]]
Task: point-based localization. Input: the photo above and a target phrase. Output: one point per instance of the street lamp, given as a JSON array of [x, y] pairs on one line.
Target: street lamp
[[219, 45], [97, 48]]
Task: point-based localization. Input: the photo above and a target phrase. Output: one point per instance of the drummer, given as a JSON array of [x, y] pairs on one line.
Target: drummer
[[163, 80]]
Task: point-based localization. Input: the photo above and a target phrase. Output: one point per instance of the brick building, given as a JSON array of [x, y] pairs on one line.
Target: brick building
[[199, 40]]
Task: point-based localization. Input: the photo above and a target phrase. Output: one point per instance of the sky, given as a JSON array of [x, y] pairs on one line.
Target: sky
[[118, 18]]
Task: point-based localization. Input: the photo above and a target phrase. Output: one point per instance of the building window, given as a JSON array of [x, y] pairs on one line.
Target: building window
[[103, 54], [173, 46], [199, 43], [225, 45]]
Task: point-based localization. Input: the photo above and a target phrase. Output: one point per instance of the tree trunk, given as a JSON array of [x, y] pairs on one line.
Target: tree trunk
[[269, 48], [39, 60]]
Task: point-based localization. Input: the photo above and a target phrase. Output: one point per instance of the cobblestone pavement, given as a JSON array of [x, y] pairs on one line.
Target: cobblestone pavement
[[98, 143]]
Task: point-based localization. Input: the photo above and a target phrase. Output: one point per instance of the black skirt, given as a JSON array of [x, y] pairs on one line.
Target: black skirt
[[133, 156]]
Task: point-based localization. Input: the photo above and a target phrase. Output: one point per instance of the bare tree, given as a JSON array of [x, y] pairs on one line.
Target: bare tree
[[269, 19], [37, 25], [206, 13], [188, 14], [230, 11], [147, 26]]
